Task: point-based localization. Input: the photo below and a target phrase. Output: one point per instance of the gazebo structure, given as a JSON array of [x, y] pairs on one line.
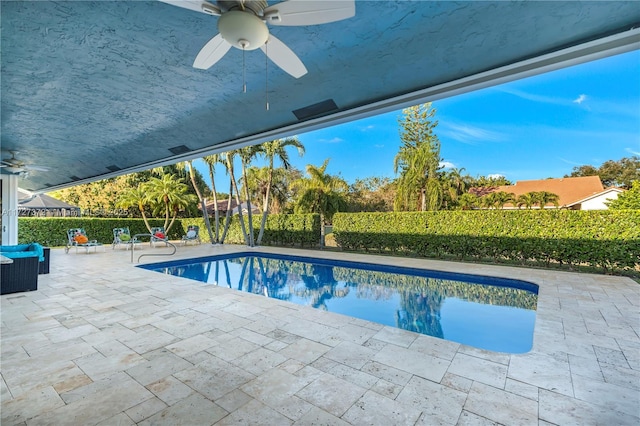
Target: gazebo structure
[[43, 205]]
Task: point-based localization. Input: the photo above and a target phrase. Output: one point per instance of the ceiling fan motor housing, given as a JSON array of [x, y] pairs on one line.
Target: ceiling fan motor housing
[[243, 30]]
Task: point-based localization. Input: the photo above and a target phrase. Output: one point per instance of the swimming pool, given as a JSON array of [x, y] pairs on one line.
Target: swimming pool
[[491, 313]]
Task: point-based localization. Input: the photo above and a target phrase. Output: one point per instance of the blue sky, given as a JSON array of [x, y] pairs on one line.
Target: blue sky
[[534, 128]]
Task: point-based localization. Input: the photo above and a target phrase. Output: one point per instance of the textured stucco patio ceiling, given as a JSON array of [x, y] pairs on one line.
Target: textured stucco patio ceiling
[[96, 89]]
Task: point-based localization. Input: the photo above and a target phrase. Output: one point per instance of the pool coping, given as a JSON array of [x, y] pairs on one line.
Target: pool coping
[[584, 366]]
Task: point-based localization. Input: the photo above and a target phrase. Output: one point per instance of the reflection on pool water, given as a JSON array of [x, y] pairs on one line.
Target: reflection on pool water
[[489, 313]]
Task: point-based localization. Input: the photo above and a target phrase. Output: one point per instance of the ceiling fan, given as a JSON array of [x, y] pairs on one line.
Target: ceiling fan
[[15, 166], [243, 24]]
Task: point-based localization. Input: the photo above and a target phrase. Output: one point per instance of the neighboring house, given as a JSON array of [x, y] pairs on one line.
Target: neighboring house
[[222, 208], [576, 193]]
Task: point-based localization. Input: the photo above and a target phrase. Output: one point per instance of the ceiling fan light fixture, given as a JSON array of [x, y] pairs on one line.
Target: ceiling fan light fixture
[[243, 30], [13, 169]]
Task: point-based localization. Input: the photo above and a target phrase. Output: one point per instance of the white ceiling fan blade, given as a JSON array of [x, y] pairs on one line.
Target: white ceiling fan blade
[[293, 13], [36, 168], [284, 57], [196, 5], [211, 53]]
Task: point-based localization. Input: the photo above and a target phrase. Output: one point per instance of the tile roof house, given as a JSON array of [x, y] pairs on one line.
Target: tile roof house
[[223, 204], [576, 193]]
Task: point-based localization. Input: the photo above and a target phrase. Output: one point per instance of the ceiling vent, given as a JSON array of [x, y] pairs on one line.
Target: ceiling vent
[[180, 149], [316, 110]]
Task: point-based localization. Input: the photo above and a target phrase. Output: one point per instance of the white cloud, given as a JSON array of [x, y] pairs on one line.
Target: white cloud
[[495, 176], [533, 97], [378, 145], [580, 99], [447, 165], [469, 134], [544, 99], [367, 128], [334, 140], [573, 163], [631, 151]]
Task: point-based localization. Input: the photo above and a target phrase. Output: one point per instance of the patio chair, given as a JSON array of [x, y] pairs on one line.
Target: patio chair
[[122, 236], [193, 234], [77, 237], [158, 235]]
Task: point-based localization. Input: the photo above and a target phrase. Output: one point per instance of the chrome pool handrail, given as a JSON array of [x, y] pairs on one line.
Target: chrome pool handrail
[[169, 243]]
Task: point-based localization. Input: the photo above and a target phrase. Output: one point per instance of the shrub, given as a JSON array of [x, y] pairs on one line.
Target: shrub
[[295, 229], [603, 239]]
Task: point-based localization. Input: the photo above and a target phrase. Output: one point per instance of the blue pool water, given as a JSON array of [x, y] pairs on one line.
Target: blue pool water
[[497, 314]]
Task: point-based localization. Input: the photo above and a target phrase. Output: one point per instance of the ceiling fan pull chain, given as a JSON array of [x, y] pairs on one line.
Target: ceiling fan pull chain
[[266, 74], [244, 81]]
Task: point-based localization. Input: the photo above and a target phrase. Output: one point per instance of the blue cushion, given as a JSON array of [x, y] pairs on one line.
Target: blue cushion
[[35, 247], [17, 247], [19, 254], [23, 250]]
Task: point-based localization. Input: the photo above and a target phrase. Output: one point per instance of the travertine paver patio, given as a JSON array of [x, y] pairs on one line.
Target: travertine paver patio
[[103, 342]]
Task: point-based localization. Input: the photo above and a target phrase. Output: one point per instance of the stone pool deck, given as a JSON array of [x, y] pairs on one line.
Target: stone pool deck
[[102, 342]]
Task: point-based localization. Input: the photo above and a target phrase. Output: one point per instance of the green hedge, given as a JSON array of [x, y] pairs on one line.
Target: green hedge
[[280, 230], [52, 231], [604, 239], [295, 229]]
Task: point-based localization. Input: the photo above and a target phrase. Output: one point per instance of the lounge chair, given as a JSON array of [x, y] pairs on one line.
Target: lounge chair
[[193, 234], [77, 238], [158, 235], [122, 236]]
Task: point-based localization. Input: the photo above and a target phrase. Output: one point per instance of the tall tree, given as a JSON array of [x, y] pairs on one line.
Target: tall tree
[[371, 194], [272, 150], [628, 200], [211, 161], [418, 160], [188, 165], [247, 154], [621, 173], [282, 191], [489, 181], [229, 159], [321, 193], [454, 184]]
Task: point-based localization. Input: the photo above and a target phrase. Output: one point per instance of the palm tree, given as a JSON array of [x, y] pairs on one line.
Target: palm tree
[[170, 195], [257, 178], [453, 185], [247, 154], [544, 197], [229, 159], [211, 161], [136, 196], [501, 198], [321, 193], [527, 200], [498, 199], [280, 187], [188, 165], [271, 150]]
